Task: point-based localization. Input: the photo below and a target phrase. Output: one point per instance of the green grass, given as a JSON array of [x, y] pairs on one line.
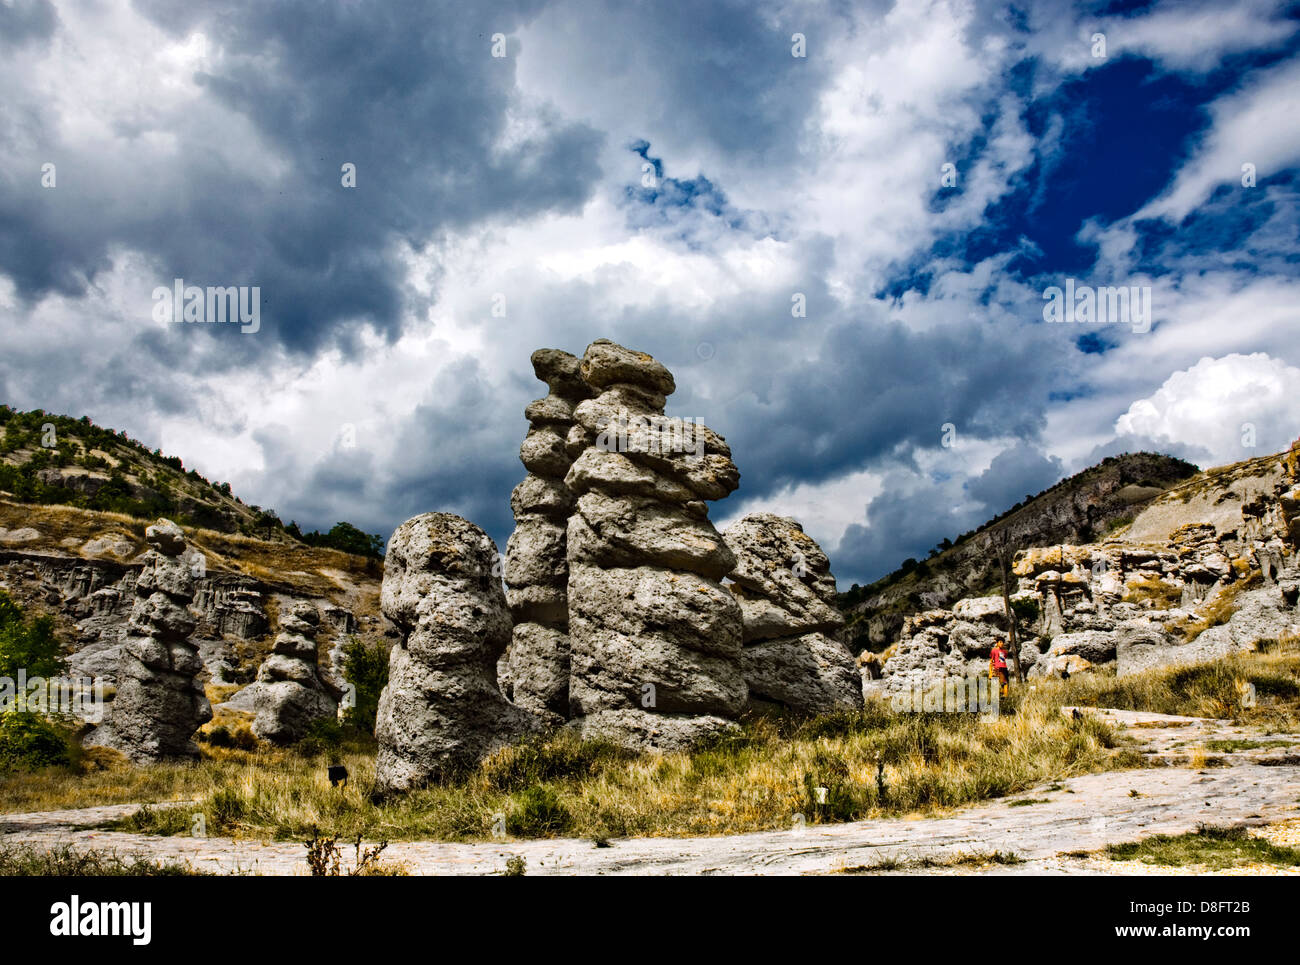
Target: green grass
[[1215, 848], [66, 861], [961, 860], [1024, 802], [1232, 746]]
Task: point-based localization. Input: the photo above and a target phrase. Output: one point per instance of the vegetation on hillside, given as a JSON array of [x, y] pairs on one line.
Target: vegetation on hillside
[[28, 647], [55, 459]]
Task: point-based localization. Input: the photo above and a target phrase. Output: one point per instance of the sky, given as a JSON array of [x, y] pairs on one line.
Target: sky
[[914, 260]]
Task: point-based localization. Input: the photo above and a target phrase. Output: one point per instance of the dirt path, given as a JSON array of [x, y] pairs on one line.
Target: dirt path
[[1246, 786]]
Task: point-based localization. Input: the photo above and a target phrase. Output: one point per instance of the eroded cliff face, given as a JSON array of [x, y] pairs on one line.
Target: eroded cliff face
[[1080, 509], [82, 568], [1206, 569]]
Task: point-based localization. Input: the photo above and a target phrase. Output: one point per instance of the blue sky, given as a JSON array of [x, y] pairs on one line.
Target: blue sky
[[920, 178]]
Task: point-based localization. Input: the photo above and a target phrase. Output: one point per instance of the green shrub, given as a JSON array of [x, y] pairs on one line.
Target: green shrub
[[325, 734], [29, 742], [365, 667], [27, 645], [535, 761]]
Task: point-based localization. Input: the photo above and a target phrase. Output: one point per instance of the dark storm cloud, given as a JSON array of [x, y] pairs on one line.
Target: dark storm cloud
[[917, 511], [410, 94], [24, 21], [1014, 473], [717, 73]]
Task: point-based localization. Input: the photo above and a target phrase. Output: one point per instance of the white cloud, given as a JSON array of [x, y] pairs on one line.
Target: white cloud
[[825, 509], [1254, 126], [1216, 402]]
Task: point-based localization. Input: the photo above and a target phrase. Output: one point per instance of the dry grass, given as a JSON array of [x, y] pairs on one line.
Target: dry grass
[[1212, 689], [302, 569], [758, 779], [1162, 595], [1219, 610]]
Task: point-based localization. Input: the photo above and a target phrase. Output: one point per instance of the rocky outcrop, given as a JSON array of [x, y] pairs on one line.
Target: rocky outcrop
[[535, 674], [792, 655], [291, 692], [1219, 582], [160, 702], [655, 638], [91, 601], [442, 709]]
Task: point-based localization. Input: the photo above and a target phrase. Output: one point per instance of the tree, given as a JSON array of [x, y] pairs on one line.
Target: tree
[[28, 645]]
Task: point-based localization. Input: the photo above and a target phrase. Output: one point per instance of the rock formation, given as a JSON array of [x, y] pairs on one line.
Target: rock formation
[[655, 638], [442, 708], [792, 656], [1204, 572], [160, 702], [535, 675], [291, 692]]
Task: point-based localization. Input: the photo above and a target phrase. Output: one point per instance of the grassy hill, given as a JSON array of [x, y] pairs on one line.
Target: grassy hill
[[58, 460]]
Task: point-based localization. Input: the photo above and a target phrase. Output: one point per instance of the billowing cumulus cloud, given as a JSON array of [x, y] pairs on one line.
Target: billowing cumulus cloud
[[1233, 407], [839, 255]]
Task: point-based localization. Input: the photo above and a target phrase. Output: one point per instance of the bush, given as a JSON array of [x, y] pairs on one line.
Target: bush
[[325, 734], [29, 742], [28, 645], [535, 761], [365, 667]]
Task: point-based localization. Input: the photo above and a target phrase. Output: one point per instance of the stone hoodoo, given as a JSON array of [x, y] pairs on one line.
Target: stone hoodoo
[[536, 564], [655, 638], [792, 656], [160, 702], [291, 691], [442, 708]]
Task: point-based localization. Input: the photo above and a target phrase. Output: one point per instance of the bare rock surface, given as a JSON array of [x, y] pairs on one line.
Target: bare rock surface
[[792, 654], [442, 708], [160, 702], [536, 666], [655, 638], [291, 691]]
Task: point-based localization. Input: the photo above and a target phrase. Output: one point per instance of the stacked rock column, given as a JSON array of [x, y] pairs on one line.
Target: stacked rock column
[[536, 566], [793, 656], [655, 639], [159, 702], [442, 709], [291, 692]]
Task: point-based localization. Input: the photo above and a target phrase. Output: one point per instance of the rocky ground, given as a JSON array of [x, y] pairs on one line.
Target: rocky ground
[[1255, 786]]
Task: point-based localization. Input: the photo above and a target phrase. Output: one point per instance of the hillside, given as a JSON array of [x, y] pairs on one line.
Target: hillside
[[1082, 508], [75, 500], [55, 459]]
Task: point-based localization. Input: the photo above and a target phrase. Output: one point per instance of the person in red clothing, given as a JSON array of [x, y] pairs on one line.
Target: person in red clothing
[[998, 666]]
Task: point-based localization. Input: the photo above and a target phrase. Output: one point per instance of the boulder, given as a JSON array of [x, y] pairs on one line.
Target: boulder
[[792, 656], [536, 564], [654, 637], [291, 693], [442, 709]]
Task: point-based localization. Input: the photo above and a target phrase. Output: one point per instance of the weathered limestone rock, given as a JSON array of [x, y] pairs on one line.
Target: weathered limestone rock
[[792, 656], [160, 702], [536, 667], [655, 638], [291, 691], [442, 708]]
